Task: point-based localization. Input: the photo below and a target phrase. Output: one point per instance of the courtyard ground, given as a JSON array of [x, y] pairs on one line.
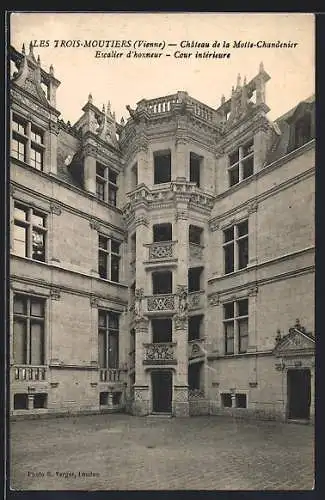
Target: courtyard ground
[[122, 452]]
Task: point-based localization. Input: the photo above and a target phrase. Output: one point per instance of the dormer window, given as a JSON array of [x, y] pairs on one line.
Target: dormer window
[[106, 184], [241, 163], [27, 142], [302, 130]]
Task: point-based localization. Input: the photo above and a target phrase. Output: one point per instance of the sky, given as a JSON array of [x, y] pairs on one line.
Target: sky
[[125, 81]]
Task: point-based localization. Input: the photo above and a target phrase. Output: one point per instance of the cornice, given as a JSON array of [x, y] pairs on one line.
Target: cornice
[[62, 206], [251, 205]]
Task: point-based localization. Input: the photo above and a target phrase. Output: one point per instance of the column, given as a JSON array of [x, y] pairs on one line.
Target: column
[[143, 288], [144, 176], [141, 404], [181, 167], [30, 401], [110, 401], [51, 148], [180, 395], [29, 131], [90, 174], [260, 149]]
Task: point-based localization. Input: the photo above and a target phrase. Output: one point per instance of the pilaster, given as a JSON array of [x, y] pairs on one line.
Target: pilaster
[[90, 174], [51, 148]]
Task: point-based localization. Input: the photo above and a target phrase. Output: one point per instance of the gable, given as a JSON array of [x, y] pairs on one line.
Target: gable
[[296, 342]]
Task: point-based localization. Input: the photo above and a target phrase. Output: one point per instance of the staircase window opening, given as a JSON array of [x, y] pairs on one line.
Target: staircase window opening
[[162, 282], [161, 330], [195, 327], [194, 376], [194, 279], [162, 167], [162, 232], [195, 234], [195, 168]]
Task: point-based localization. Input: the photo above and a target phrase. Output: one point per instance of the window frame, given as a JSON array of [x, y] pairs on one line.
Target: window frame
[[32, 138], [109, 255], [30, 230], [108, 188], [236, 244], [235, 319], [109, 331], [29, 319], [238, 166]]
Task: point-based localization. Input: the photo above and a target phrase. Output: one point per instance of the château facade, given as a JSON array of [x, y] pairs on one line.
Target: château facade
[[159, 264]]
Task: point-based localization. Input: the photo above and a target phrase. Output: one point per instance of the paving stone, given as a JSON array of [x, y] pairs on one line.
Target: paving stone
[[121, 452]]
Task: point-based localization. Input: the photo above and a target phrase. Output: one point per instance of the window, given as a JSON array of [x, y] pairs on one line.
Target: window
[[241, 163], [162, 232], [108, 339], [235, 247], [29, 232], [236, 326], [195, 168], [109, 258], [28, 330], [27, 142], [302, 130], [195, 235], [103, 398], [194, 376], [194, 279], [134, 176], [40, 400], [162, 167], [241, 400], [161, 330], [20, 402], [117, 396], [226, 400], [194, 327], [106, 184], [162, 282]]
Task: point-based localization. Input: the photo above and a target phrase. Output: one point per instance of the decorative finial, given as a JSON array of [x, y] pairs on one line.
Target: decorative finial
[[232, 89], [23, 49], [261, 69], [103, 109], [31, 49], [245, 81], [38, 60], [278, 335], [238, 80], [297, 324], [51, 70], [113, 115], [90, 98], [223, 99], [122, 121], [108, 107]]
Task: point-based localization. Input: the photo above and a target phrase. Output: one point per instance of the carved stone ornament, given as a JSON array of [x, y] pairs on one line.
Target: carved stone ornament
[[138, 312], [182, 298], [93, 301], [55, 293], [180, 322], [94, 225], [214, 299], [55, 208]]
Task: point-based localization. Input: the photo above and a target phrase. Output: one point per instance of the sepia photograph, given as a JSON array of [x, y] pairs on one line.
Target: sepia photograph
[[161, 176]]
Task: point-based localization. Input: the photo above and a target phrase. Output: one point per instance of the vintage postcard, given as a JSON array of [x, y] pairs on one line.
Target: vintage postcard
[[162, 181]]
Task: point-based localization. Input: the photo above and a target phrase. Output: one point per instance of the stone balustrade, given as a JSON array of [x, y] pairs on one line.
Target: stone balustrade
[[156, 303], [161, 250], [160, 353], [161, 104], [24, 373], [111, 375]]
